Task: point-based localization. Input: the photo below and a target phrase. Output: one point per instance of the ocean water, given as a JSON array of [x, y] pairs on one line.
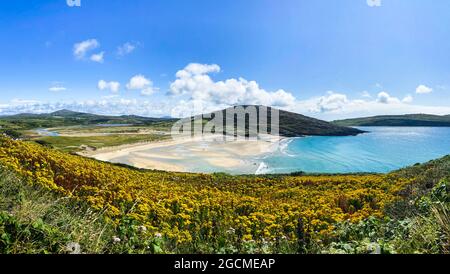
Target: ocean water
[[382, 149]]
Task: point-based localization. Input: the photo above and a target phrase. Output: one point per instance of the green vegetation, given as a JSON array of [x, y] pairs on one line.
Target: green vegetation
[[65, 118], [35, 220], [412, 120], [76, 144], [82, 130], [296, 125], [104, 208], [20, 125], [425, 231]]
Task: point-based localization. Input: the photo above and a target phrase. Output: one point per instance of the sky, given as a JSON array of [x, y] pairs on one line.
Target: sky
[[329, 59]]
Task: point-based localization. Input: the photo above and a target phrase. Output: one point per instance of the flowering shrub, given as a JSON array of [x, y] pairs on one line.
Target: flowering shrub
[[208, 213]]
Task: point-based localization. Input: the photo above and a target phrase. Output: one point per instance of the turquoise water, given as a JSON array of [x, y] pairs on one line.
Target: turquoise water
[[383, 149]]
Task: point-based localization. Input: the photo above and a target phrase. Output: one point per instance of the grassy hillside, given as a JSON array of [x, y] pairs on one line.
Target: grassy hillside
[[412, 120], [153, 211], [80, 130], [15, 125], [297, 125]]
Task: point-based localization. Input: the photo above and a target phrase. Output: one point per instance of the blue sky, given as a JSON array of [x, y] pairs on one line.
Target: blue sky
[[325, 58]]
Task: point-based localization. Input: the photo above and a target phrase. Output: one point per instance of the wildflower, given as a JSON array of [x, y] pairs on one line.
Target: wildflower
[[73, 248], [142, 228], [231, 231], [158, 235], [116, 240]]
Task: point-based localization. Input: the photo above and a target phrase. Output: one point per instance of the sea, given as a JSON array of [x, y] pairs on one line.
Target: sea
[[380, 150]]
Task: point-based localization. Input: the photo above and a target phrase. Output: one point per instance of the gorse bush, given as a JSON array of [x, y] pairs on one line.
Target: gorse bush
[[166, 212], [428, 231]]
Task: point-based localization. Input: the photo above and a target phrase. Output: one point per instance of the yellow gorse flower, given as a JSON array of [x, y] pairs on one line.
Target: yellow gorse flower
[[185, 207]]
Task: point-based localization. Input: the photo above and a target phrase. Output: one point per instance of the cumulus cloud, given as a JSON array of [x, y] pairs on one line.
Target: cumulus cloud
[[107, 106], [422, 89], [26, 102], [195, 82], [112, 86], [139, 82], [81, 49], [331, 102], [366, 94], [384, 98], [408, 99], [374, 3], [335, 106], [126, 49], [57, 87], [99, 57]]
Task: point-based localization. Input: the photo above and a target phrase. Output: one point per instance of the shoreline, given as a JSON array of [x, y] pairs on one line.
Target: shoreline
[[185, 154]]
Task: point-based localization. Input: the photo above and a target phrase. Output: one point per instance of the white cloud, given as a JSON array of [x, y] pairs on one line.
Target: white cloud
[[195, 82], [331, 102], [99, 57], [112, 86], [366, 94], [338, 106], [139, 82], [57, 87], [422, 89], [384, 98], [408, 99], [341, 106], [25, 102], [81, 49], [126, 49], [112, 96], [107, 106], [149, 91], [374, 3]]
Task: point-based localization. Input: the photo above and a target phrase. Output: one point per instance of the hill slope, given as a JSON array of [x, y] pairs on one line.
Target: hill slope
[[154, 211], [71, 118], [297, 125], [410, 120]]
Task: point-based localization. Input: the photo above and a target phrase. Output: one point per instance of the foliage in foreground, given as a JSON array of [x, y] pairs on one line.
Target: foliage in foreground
[[155, 212], [426, 231]]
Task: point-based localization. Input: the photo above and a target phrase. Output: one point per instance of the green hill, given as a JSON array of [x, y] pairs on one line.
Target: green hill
[[410, 120], [64, 118], [296, 125]]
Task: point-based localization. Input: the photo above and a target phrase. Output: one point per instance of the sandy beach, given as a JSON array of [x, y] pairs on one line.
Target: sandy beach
[[185, 154]]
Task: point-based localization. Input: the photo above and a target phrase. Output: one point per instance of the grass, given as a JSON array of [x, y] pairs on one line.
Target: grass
[[73, 144], [65, 201], [34, 220], [402, 212], [410, 120], [425, 231]]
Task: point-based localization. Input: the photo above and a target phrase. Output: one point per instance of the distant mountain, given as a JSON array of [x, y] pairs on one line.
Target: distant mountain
[[71, 118], [410, 120], [68, 113], [290, 124], [297, 125]]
